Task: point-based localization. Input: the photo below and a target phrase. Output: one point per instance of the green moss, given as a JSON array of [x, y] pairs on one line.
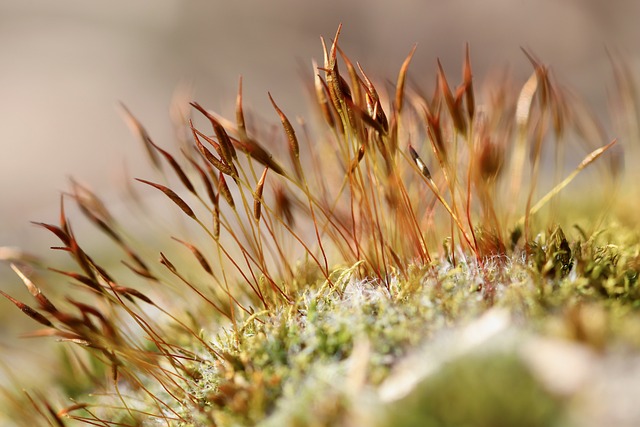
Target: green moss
[[493, 390], [292, 365]]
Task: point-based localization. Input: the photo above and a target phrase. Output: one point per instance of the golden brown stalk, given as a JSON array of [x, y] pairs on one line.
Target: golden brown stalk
[[590, 158], [424, 171]]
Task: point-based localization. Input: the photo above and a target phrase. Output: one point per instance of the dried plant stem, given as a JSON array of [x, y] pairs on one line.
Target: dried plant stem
[[590, 158]]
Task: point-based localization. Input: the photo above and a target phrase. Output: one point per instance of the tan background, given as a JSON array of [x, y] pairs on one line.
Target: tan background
[[65, 64]]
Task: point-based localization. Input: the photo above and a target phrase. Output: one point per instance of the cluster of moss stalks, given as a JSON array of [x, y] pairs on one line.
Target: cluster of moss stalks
[[408, 265]]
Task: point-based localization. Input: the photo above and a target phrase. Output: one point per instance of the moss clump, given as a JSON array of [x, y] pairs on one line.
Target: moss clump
[[440, 297], [331, 357], [479, 390]]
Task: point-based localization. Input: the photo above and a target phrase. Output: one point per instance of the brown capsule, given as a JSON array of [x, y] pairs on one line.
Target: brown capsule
[[321, 96], [223, 189], [257, 197], [29, 311], [173, 196], [43, 301], [490, 159], [418, 161], [452, 105], [208, 155], [283, 208], [176, 168], [401, 80], [240, 122], [197, 254], [468, 84], [142, 133]]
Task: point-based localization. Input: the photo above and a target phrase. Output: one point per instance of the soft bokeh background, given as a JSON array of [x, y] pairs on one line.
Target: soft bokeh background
[[65, 65]]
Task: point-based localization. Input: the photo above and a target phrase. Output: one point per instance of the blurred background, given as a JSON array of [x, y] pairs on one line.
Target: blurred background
[[65, 65]]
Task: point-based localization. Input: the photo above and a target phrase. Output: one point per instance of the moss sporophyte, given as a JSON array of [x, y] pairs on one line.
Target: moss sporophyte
[[438, 279]]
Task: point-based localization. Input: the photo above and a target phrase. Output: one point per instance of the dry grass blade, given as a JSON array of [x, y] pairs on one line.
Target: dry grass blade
[[44, 302], [29, 311], [257, 197], [590, 158], [173, 196]]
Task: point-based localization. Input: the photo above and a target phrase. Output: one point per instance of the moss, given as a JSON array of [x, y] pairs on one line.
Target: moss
[[494, 390], [305, 293]]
